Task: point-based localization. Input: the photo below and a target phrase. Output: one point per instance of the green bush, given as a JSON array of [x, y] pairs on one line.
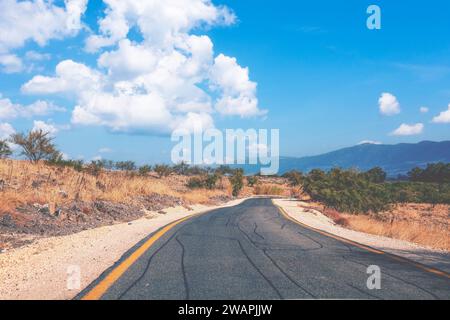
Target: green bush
[[125, 166], [252, 181], [208, 181], [237, 181], [356, 192], [294, 177], [145, 170], [436, 172], [163, 170], [5, 150]]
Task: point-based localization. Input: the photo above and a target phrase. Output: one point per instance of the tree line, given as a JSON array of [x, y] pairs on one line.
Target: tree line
[[363, 192]]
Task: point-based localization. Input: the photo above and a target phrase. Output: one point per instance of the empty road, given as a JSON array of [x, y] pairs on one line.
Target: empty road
[[251, 251]]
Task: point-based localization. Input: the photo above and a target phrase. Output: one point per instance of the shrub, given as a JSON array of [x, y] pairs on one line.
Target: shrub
[[163, 170], [375, 175], [237, 181], [125, 166], [57, 160], [36, 145], [354, 192], [208, 181], [436, 172], [196, 183], [95, 168], [223, 170], [145, 170], [252, 181], [5, 150], [182, 168], [211, 181], [295, 178]]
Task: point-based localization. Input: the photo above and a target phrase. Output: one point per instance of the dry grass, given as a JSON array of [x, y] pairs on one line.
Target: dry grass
[[419, 223], [423, 224], [26, 183], [431, 236], [272, 186]]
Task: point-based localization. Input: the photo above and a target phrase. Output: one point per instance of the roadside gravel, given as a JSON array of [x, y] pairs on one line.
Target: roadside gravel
[[44, 269]]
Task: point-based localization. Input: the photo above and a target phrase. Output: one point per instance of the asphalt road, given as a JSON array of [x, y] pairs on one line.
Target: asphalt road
[[252, 252]]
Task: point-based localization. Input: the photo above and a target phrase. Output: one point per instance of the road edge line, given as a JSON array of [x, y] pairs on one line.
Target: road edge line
[[100, 288], [416, 264]]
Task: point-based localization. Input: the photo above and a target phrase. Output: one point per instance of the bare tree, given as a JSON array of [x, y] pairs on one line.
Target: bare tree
[[36, 145], [5, 150]]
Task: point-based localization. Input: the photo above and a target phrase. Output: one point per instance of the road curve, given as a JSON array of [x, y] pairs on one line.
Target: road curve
[[251, 251]]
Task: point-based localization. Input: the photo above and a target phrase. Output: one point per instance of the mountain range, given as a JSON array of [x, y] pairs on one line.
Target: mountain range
[[396, 159]]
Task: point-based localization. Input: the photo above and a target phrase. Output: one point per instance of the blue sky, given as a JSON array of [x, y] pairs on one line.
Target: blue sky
[[319, 72]]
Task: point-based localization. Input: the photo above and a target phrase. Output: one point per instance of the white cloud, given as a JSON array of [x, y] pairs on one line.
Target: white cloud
[[6, 130], [409, 130], [10, 110], [51, 129], [443, 117], [239, 93], [38, 21], [389, 104], [161, 22], [71, 77], [370, 142], [424, 110], [129, 60], [165, 82], [10, 63]]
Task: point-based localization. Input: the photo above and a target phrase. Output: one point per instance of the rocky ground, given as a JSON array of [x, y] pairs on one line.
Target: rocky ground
[[30, 222]]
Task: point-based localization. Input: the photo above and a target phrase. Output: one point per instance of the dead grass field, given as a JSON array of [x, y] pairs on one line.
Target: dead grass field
[[423, 224], [26, 183]]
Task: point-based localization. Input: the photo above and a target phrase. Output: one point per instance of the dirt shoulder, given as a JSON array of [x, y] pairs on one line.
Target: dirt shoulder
[[299, 211], [41, 269]]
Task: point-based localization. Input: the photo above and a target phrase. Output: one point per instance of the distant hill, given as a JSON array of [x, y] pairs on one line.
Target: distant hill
[[394, 159]]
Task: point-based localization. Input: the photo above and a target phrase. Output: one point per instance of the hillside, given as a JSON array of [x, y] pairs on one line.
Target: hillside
[[394, 159]]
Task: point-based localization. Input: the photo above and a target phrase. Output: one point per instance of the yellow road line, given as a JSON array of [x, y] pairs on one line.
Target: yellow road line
[[362, 246], [100, 289]]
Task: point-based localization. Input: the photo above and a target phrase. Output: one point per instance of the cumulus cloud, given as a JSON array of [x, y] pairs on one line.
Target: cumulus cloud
[[10, 110], [409, 130], [239, 93], [388, 104], [51, 129], [6, 130], [443, 117], [160, 22], [38, 21], [169, 80], [71, 77]]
